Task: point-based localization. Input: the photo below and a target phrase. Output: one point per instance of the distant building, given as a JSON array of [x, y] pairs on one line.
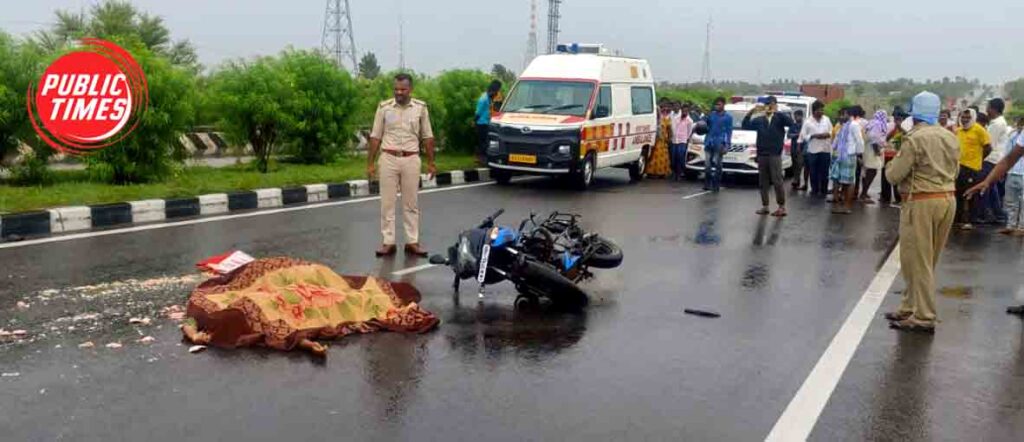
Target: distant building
[[827, 93]]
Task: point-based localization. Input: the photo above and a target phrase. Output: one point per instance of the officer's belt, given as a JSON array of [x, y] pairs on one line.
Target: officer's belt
[[400, 153], [927, 195]]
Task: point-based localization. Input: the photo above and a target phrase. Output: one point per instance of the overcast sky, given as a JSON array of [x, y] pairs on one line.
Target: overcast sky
[[753, 40]]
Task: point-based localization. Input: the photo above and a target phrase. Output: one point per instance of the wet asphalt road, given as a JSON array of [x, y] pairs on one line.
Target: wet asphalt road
[[632, 366]]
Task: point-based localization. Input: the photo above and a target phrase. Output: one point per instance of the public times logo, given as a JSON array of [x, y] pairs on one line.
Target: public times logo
[[88, 99]]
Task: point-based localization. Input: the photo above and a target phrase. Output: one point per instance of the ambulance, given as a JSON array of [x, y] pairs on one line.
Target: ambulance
[[573, 112]]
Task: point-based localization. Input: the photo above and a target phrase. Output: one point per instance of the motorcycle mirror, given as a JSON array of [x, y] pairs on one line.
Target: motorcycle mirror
[[438, 260]]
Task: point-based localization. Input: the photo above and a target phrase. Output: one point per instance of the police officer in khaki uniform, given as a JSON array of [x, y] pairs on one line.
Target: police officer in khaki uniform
[[925, 172], [401, 125]]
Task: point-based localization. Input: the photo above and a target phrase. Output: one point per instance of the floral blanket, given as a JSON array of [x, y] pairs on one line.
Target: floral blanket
[[277, 302]]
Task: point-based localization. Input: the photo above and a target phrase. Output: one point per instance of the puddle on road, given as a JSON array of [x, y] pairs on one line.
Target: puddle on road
[[957, 292]]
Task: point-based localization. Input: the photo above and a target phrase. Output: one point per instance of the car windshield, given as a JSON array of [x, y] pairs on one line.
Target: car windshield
[[550, 97], [737, 117]]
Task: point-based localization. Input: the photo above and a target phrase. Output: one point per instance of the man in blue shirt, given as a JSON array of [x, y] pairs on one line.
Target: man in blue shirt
[[483, 119], [716, 142]]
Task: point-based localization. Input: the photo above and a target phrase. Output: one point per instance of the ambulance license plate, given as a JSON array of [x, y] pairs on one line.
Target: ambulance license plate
[[521, 158]]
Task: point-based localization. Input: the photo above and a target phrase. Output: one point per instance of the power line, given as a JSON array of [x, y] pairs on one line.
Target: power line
[[337, 40]]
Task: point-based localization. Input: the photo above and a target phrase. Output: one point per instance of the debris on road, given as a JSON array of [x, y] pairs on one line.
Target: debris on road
[[196, 348], [4, 333], [19, 333], [87, 344], [23, 305], [174, 312], [114, 345], [140, 321], [147, 340], [11, 375], [702, 313]]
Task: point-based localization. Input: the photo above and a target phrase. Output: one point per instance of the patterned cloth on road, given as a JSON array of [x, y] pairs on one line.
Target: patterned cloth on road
[[277, 302]]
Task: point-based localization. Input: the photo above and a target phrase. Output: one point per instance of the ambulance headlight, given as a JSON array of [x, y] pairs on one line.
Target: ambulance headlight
[[564, 149]]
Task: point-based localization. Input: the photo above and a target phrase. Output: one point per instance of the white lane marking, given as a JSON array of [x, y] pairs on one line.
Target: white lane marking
[[33, 242], [696, 195], [413, 270], [803, 411]]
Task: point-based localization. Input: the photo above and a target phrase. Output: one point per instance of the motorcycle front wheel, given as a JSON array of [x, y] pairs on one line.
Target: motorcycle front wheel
[[607, 255], [545, 281]]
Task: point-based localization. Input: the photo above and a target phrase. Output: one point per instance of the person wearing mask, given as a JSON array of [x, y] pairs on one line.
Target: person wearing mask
[[796, 150], [400, 127], [682, 127], [483, 119], [876, 131], [1012, 160], [999, 133], [846, 144], [716, 143], [925, 171], [975, 144], [816, 135], [771, 132], [893, 140]]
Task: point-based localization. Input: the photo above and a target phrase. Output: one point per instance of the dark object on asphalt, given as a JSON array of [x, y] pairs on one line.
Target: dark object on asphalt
[[1016, 310], [702, 313], [543, 258], [700, 128], [14, 237]]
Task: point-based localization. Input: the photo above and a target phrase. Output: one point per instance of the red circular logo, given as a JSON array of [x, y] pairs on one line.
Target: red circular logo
[[88, 99]]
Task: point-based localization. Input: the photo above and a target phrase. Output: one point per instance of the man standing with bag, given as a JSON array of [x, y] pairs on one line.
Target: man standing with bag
[[925, 171], [400, 126]]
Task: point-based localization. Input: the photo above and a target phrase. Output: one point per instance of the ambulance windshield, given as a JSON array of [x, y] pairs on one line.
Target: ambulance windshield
[[550, 97]]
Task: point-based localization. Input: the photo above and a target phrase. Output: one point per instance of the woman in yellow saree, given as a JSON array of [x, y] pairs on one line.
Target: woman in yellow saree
[[284, 303], [658, 164]]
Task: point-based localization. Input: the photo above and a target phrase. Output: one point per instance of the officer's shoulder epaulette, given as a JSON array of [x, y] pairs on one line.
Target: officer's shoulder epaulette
[[387, 102], [420, 102]]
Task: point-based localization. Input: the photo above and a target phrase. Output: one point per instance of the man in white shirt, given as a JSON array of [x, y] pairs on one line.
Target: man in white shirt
[[816, 134], [999, 132]]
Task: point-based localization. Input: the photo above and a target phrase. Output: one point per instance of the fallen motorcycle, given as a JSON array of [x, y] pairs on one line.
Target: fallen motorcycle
[[544, 258]]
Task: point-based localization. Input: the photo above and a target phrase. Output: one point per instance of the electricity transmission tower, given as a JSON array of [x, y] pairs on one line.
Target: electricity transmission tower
[[553, 17], [337, 40], [531, 42], [705, 72]]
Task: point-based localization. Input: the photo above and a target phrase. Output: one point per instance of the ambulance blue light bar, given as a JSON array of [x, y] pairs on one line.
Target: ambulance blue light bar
[[568, 49]]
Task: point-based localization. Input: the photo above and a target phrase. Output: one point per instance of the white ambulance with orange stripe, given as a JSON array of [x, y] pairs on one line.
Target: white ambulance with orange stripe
[[574, 112]]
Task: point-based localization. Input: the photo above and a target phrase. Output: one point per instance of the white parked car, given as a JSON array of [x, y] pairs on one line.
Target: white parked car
[[741, 158]]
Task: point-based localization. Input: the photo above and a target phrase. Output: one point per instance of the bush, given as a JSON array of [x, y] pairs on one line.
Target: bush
[[832, 109], [702, 97], [250, 99], [20, 64], [146, 154], [459, 90], [320, 106]]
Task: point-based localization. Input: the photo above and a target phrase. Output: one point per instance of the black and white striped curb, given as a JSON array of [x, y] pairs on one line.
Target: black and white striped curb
[[84, 218]]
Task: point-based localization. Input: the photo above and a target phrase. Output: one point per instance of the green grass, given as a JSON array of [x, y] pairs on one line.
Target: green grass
[[73, 188]]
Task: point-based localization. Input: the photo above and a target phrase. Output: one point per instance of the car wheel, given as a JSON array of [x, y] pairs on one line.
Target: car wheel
[[502, 177], [585, 175], [639, 168]]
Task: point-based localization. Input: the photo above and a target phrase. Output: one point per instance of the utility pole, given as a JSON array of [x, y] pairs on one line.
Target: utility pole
[[531, 41], [337, 40], [705, 72], [553, 17]]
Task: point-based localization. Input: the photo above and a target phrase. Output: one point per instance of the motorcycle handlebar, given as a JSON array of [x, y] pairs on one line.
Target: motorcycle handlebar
[[489, 221]]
